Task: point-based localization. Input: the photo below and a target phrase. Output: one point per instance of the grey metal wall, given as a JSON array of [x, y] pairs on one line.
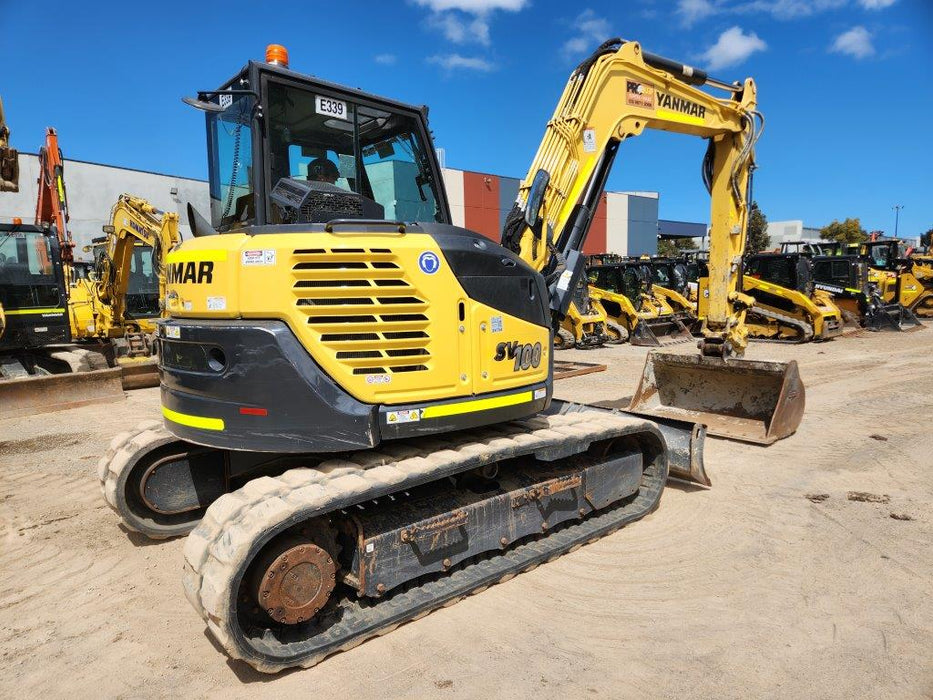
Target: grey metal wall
[[92, 191], [642, 225]]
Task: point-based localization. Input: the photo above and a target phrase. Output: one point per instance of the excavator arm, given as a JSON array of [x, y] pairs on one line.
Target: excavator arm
[[133, 220], [9, 158], [616, 94], [52, 203]]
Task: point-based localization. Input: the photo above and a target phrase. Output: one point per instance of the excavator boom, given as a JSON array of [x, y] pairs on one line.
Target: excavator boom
[[616, 94], [9, 158]]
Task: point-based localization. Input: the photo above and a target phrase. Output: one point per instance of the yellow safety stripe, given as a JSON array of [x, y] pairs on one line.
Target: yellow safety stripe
[[193, 421], [31, 312], [678, 117], [196, 256], [453, 409]]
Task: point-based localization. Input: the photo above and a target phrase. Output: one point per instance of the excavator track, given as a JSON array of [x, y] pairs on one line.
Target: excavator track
[[804, 329], [238, 525], [119, 464]]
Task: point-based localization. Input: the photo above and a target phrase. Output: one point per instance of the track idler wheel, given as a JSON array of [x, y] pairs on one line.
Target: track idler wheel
[[160, 486]]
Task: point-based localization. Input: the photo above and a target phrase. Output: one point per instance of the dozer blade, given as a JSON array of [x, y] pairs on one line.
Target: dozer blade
[[56, 392], [747, 400], [891, 317], [660, 332], [139, 374]]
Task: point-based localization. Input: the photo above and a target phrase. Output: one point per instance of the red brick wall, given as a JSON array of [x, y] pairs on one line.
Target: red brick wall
[[481, 204], [596, 239]]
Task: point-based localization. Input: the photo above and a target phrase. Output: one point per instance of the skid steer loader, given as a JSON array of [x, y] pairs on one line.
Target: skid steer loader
[[846, 278], [626, 292]]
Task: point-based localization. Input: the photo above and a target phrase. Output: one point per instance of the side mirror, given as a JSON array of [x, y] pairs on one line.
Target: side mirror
[[536, 197], [203, 105]]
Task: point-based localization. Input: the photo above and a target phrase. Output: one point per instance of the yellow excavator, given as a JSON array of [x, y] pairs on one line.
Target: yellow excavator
[[357, 395], [122, 298], [9, 158]]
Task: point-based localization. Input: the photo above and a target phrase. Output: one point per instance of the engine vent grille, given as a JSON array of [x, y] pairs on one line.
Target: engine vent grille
[[366, 311]]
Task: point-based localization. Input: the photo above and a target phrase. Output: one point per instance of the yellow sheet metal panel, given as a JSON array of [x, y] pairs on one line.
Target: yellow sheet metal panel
[[381, 313]]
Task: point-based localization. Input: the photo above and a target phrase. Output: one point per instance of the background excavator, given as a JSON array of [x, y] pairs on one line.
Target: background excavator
[[9, 158], [59, 323], [122, 298], [406, 368]]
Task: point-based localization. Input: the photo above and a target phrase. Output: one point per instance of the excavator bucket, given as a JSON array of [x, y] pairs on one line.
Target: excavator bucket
[[747, 400], [660, 332]]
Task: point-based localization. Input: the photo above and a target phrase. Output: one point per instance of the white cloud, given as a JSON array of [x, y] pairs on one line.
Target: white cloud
[[455, 61], [590, 31], [855, 42], [789, 9], [732, 47], [475, 7], [386, 59], [466, 21], [876, 4], [461, 30], [692, 11]]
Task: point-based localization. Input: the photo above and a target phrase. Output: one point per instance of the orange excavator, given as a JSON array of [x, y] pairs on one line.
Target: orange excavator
[[36, 269], [52, 202]]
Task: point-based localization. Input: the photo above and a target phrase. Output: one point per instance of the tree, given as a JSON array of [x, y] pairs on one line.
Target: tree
[[927, 238], [671, 248], [758, 238], [848, 231]]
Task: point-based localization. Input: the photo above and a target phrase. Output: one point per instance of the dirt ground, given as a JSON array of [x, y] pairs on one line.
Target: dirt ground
[[747, 589]]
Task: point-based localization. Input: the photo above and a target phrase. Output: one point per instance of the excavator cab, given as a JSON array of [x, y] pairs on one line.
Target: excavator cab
[[33, 296], [285, 152]]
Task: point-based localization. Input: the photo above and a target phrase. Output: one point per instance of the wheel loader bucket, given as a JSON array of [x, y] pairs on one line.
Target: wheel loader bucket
[[891, 317], [747, 400], [660, 332]]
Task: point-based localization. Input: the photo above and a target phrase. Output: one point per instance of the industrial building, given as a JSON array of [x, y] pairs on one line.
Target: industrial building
[[794, 230], [625, 223]]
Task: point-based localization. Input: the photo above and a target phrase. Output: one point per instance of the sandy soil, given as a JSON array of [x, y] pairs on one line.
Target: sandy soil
[[747, 589]]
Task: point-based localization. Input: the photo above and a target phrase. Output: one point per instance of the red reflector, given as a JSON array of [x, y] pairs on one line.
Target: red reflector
[[253, 411]]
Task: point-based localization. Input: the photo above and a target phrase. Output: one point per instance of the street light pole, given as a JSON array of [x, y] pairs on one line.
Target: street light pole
[[897, 214]]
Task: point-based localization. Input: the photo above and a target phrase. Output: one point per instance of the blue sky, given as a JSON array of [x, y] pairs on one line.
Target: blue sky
[[845, 85]]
